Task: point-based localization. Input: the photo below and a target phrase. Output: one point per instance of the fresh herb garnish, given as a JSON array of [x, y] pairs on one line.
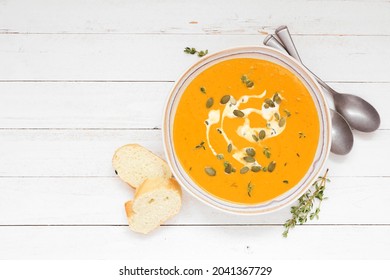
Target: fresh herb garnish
[[200, 146], [194, 51], [250, 189], [266, 152], [304, 208]]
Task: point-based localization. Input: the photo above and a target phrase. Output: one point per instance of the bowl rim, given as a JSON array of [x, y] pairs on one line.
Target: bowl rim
[[316, 89]]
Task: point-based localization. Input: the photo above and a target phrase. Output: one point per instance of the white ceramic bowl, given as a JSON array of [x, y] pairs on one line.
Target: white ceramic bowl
[[323, 148]]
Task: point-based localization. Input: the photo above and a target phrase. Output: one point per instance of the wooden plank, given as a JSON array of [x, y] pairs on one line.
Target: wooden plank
[[116, 105], [254, 242], [161, 58], [88, 152], [195, 17], [82, 105], [99, 201]]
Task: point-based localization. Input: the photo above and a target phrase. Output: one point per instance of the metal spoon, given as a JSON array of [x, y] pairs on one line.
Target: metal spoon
[[342, 137], [360, 114]]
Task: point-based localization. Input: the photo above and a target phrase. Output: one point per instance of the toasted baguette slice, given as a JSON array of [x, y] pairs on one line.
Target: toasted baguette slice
[[134, 164], [155, 201]]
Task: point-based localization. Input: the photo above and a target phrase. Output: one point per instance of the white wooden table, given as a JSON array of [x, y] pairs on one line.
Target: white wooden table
[[76, 78]]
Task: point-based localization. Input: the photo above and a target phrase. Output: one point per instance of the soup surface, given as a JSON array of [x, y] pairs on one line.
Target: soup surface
[[246, 130]]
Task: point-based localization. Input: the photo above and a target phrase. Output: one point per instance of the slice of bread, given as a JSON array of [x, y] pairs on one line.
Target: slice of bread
[[155, 201], [134, 164]]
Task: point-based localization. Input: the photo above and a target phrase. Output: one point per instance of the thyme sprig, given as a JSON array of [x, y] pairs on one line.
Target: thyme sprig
[[194, 51], [304, 209]]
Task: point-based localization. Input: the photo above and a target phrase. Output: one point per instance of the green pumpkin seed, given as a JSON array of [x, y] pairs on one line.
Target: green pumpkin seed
[[250, 152], [282, 122], [210, 171], [277, 98], [203, 90], [255, 137], [228, 168], [271, 166], [229, 148], [225, 99], [220, 156], [244, 170], [249, 159], [238, 113], [249, 84], [209, 102], [265, 168], [262, 134], [277, 117], [269, 102], [255, 168]]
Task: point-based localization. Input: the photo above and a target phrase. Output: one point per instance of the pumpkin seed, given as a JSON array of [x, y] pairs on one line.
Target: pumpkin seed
[[249, 159], [203, 90], [271, 166], [244, 170], [255, 168], [209, 102], [265, 168], [255, 137], [269, 102], [249, 84], [220, 156], [262, 134], [229, 148], [266, 106], [238, 113], [250, 152], [267, 152], [282, 122], [228, 168], [277, 117], [277, 98], [210, 171], [225, 99]]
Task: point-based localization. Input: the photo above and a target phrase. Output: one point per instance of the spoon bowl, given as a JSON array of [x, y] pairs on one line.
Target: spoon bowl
[[360, 114], [342, 137]]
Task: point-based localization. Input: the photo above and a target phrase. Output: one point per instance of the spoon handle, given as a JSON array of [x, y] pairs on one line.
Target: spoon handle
[[285, 37]]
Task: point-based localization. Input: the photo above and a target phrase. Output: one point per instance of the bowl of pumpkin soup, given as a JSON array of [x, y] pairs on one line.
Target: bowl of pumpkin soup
[[246, 130]]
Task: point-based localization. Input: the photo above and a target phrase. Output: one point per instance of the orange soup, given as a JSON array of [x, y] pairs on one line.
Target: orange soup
[[246, 130]]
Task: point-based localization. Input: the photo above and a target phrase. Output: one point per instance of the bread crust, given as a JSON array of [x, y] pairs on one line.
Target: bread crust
[[150, 185]]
